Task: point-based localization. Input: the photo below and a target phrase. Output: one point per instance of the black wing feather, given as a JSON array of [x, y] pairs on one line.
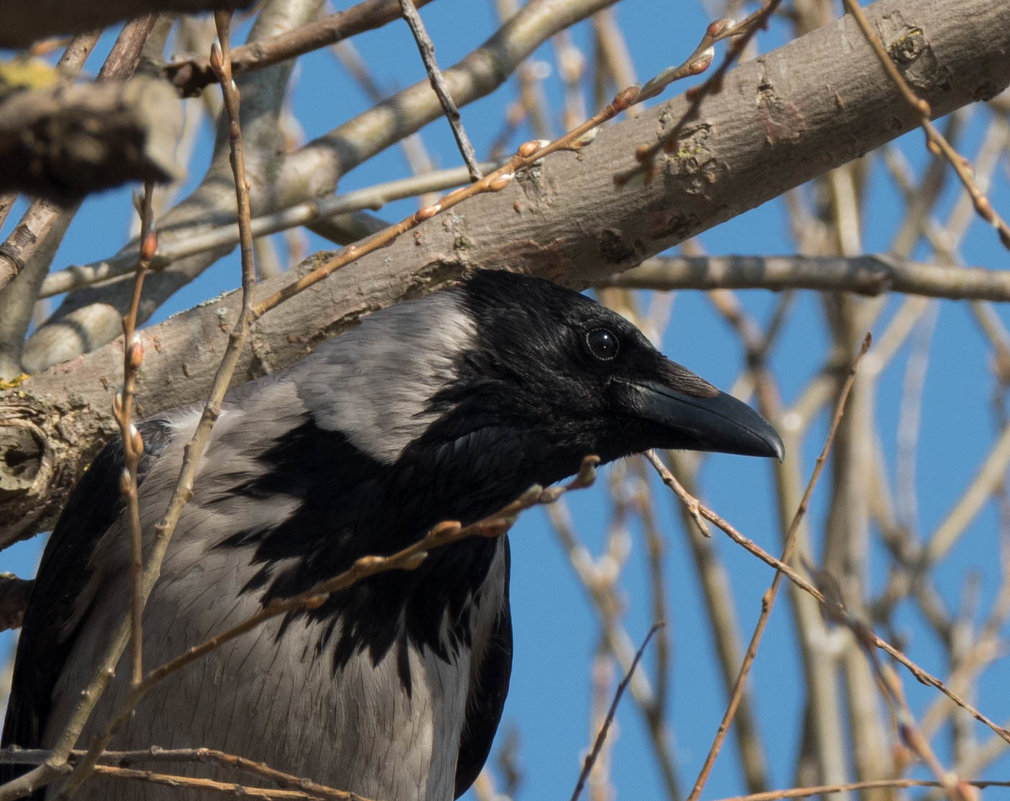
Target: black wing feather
[[44, 643], [487, 695]]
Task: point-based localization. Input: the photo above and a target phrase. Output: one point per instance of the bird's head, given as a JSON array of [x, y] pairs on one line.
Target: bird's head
[[506, 371], [551, 361]]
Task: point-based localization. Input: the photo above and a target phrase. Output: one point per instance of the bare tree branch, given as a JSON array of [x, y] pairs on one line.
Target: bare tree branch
[[807, 111], [427, 51], [67, 141], [190, 76], [864, 275], [192, 454], [155, 754], [26, 21], [316, 212]]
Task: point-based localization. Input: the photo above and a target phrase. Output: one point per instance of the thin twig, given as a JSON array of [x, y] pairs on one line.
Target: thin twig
[[193, 74], [12, 755], [201, 786], [923, 676], [427, 51], [690, 502], [725, 526], [888, 683], [133, 443], [696, 63], [601, 594], [935, 141], [808, 792], [194, 449], [602, 736], [768, 600], [866, 274]]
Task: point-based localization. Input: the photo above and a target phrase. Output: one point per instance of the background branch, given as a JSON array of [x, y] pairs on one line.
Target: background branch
[[191, 75], [26, 21], [871, 274], [67, 141]]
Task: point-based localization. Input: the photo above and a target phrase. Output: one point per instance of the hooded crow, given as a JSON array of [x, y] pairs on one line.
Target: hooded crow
[[444, 407]]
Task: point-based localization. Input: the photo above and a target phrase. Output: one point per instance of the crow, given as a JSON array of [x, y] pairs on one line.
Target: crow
[[443, 407]]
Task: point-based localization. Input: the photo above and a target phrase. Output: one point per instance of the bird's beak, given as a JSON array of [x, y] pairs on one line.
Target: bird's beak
[[716, 423]]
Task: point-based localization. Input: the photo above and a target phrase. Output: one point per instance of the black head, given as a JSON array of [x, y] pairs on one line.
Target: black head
[[568, 368]]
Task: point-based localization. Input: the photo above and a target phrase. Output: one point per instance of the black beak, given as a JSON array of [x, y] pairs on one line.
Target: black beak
[[716, 423]]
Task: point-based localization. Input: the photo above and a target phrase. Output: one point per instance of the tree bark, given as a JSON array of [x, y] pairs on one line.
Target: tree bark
[[781, 119]]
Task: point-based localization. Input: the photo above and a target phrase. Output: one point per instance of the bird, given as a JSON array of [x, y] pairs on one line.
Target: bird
[[444, 407]]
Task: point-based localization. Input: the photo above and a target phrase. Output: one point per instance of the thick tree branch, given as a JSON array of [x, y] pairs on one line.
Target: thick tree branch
[[26, 21], [67, 141], [780, 120]]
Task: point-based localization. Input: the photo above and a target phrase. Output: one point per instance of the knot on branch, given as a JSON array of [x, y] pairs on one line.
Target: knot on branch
[[23, 461]]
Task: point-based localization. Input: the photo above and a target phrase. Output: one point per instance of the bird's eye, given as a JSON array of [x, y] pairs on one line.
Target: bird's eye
[[602, 344]]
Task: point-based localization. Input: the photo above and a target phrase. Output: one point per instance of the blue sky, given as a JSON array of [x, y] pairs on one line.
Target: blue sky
[[555, 632]]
